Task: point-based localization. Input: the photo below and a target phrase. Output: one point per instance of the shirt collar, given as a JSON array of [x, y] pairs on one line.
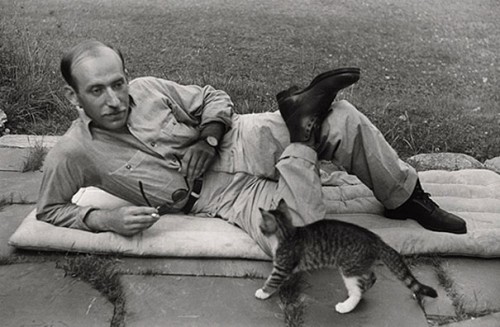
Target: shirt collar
[[87, 120]]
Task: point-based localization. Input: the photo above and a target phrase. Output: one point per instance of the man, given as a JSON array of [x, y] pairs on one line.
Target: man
[[157, 144]]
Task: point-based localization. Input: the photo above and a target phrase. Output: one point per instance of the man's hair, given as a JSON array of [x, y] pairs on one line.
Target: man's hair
[[89, 47]]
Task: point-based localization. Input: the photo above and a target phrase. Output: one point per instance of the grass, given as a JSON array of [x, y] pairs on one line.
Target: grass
[[429, 70], [6, 200], [27, 89], [461, 310], [35, 158], [101, 273], [292, 300]]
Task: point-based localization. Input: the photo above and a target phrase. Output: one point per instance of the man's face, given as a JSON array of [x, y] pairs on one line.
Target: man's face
[[101, 89]]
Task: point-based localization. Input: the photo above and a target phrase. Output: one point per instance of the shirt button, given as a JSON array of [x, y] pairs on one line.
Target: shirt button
[[128, 166]]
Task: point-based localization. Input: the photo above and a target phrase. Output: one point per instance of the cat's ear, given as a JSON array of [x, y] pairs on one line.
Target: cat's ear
[[284, 209], [282, 206]]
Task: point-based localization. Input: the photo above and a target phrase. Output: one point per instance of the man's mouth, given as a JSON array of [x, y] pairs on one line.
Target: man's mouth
[[115, 114]]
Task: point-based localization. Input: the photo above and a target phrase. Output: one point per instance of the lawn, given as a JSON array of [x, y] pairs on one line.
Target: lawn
[[430, 69]]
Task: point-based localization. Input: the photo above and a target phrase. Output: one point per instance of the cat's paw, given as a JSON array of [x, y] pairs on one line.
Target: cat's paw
[[343, 307], [260, 294]]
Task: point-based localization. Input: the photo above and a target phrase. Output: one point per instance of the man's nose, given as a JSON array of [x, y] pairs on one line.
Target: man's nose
[[112, 99]]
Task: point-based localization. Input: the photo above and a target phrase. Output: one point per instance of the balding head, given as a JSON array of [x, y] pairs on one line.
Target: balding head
[[89, 48]]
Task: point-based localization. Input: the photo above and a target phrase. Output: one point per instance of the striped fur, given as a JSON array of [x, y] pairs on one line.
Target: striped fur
[[327, 244]]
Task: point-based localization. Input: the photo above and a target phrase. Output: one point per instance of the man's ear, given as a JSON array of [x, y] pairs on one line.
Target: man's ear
[[71, 95]]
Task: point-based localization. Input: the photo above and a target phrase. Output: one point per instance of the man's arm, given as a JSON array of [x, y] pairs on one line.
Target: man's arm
[[126, 221], [197, 105], [200, 155], [65, 172], [212, 109], [62, 178]]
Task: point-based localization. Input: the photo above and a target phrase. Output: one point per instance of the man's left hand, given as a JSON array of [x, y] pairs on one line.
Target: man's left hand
[[197, 159]]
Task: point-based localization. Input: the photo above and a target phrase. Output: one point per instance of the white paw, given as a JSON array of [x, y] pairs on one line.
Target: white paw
[[260, 294], [343, 307]]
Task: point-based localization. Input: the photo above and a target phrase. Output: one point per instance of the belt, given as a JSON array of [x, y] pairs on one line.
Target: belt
[[193, 196]]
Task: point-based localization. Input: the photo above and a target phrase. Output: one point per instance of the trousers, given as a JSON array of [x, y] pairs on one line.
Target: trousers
[[257, 166]]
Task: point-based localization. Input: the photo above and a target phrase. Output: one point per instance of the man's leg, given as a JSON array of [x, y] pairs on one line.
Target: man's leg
[[299, 184], [350, 140], [303, 112]]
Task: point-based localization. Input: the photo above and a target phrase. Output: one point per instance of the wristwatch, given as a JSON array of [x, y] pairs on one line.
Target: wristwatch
[[212, 141]]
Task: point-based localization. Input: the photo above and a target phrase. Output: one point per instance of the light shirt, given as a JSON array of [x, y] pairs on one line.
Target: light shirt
[[164, 119]]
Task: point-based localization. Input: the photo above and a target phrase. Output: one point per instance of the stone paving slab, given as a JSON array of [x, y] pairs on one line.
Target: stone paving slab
[[40, 295], [28, 141], [197, 301], [13, 159], [443, 305], [492, 320], [10, 218], [388, 303], [196, 267], [20, 187], [476, 283]]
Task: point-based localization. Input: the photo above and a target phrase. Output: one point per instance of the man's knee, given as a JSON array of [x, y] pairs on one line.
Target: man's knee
[[344, 110], [344, 118]]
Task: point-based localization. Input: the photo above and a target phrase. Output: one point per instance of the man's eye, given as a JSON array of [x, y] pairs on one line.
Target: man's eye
[[118, 85], [96, 91]]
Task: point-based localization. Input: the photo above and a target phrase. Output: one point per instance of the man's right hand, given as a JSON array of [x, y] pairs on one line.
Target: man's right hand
[[125, 221]]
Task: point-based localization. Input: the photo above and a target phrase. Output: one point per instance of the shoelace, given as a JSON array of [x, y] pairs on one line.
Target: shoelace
[[425, 197]]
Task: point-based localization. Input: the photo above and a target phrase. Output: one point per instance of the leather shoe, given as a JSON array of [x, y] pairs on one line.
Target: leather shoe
[[304, 110], [427, 213]]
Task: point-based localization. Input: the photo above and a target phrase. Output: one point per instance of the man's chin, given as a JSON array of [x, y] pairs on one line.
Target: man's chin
[[117, 125], [116, 122], [113, 125]]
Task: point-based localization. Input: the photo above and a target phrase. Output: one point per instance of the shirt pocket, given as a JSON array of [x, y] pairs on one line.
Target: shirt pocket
[[158, 180], [177, 134]]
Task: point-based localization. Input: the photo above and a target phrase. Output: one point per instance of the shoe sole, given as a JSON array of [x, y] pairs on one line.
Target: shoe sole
[[427, 227], [294, 90], [334, 72], [353, 72]]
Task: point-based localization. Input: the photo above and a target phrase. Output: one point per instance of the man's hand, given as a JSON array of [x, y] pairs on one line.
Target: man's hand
[[125, 221], [197, 159]]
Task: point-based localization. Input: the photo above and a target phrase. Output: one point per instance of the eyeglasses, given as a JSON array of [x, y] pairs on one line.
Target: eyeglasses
[[177, 197]]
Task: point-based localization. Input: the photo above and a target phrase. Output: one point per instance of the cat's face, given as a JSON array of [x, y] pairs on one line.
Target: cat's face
[[272, 219], [268, 224]]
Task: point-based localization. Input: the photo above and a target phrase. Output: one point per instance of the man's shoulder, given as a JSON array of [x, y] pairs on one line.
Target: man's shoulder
[[147, 81], [151, 84], [71, 144]]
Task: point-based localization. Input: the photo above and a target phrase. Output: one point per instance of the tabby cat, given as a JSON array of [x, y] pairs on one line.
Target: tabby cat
[[329, 243]]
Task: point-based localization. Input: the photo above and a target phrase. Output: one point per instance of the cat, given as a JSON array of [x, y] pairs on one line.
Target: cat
[[330, 243]]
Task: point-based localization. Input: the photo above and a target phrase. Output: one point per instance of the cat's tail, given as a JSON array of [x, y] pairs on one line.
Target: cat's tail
[[394, 261]]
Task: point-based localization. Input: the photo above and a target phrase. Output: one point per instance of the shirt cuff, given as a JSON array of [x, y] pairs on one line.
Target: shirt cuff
[[301, 151], [79, 223]]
